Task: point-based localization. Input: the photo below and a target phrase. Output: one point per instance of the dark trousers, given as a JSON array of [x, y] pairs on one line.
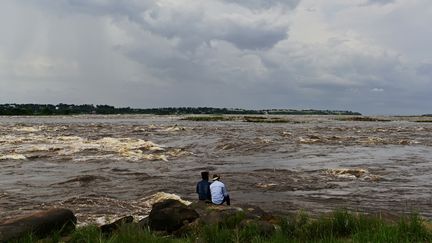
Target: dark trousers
[[227, 200]]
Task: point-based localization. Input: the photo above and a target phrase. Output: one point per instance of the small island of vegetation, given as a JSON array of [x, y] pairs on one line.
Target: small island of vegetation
[[70, 109]]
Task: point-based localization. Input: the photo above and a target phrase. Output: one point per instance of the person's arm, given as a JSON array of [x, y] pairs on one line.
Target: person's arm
[[224, 191], [208, 192], [197, 186]]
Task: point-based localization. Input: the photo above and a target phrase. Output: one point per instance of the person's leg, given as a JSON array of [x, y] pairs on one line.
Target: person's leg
[[227, 200]]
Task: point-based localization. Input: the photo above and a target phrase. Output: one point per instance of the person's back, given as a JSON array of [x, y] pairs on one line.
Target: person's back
[[219, 193], [203, 187]]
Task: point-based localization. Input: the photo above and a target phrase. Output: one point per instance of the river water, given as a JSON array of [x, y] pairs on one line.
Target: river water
[[110, 166]]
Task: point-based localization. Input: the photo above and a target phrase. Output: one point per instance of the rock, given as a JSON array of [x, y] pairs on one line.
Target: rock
[[144, 223], [109, 228], [263, 227], [221, 214], [40, 224], [212, 217], [255, 212], [161, 196], [187, 228], [170, 215]]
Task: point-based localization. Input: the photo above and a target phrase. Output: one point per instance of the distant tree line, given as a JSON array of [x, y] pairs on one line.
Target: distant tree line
[[67, 109]]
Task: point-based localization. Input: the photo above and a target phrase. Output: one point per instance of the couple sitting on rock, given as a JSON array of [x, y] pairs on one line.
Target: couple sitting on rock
[[214, 191]]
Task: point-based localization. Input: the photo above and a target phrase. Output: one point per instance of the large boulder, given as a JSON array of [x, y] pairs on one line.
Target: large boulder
[[221, 214], [262, 227], [170, 215], [109, 228], [257, 213], [244, 215], [40, 224]]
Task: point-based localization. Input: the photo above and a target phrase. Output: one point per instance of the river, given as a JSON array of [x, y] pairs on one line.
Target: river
[[110, 166]]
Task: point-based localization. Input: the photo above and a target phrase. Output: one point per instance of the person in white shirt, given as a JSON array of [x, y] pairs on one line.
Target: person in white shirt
[[219, 193]]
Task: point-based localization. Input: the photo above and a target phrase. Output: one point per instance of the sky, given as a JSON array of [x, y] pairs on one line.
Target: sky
[[369, 56]]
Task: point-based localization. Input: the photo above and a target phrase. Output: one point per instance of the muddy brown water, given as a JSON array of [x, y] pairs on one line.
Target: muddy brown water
[[109, 166]]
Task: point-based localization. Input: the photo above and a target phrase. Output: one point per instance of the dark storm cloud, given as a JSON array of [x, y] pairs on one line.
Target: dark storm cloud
[[196, 27], [254, 37], [191, 25]]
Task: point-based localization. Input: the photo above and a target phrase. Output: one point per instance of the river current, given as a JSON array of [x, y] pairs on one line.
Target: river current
[[104, 167]]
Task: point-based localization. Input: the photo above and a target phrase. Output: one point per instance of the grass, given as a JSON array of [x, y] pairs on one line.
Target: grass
[[127, 233], [342, 226], [338, 226]]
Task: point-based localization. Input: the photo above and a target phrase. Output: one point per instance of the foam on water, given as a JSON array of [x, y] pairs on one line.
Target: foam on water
[[124, 148], [111, 209], [28, 129], [174, 128], [354, 173], [12, 157]]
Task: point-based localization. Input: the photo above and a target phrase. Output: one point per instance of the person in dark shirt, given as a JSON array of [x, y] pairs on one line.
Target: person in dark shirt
[[203, 187]]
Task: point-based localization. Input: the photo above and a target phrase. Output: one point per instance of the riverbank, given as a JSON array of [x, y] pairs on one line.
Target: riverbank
[[173, 221], [339, 226]]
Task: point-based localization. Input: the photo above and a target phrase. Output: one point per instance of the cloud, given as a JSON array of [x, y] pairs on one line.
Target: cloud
[[231, 53], [381, 1], [257, 4], [191, 22], [204, 22], [425, 69]]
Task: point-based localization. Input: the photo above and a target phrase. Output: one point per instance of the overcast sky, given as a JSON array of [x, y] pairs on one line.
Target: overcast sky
[[371, 56]]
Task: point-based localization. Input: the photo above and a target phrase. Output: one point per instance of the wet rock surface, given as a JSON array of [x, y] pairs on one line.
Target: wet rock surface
[[40, 224], [110, 228], [170, 215]]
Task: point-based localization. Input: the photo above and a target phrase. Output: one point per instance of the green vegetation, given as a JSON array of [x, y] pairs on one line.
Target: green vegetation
[[424, 121], [361, 118], [209, 118], [126, 233], [254, 119], [67, 109], [339, 226], [342, 226], [260, 119]]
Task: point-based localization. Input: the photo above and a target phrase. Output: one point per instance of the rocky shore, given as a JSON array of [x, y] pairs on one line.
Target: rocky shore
[[176, 220], [167, 217]]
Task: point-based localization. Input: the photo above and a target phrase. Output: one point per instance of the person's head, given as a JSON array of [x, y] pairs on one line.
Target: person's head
[[205, 175], [215, 177]]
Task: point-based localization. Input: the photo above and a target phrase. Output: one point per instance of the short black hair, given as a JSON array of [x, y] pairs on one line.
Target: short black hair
[[205, 175]]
